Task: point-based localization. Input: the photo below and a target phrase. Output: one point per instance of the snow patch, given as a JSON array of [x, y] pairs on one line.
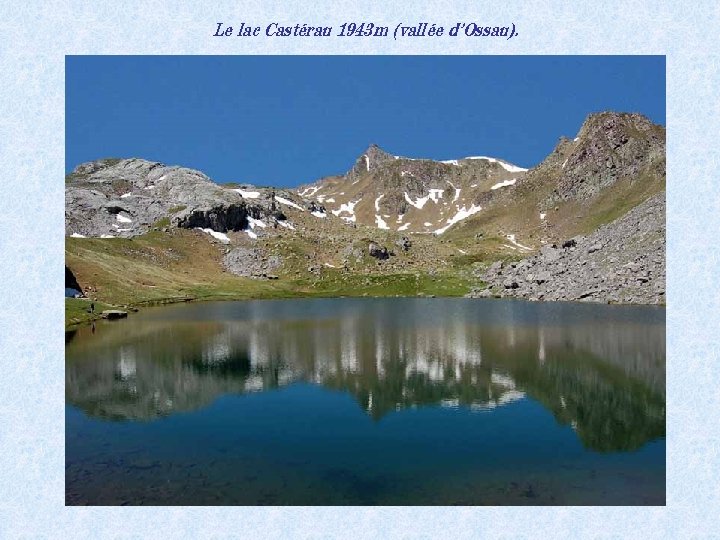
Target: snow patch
[[427, 223], [251, 234], [330, 265], [380, 222], [248, 194], [511, 237], [123, 219], [309, 191], [462, 213], [348, 208], [106, 236], [435, 194], [417, 204], [125, 195], [288, 202], [377, 202], [331, 199], [149, 187], [319, 214], [77, 235], [286, 224], [256, 223], [403, 227], [542, 215], [451, 162], [507, 166], [564, 163], [462, 251], [504, 183], [218, 235]]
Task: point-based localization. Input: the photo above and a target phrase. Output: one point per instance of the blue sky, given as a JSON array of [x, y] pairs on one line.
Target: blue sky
[[288, 120]]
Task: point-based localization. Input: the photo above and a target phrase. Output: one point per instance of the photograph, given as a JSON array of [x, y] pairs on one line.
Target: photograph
[[367, 280]]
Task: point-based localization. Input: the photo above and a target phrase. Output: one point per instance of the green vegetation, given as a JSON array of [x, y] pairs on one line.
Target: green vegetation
[[77, 311], [182, 265], [164, 222], [619, 199], [335, 283]]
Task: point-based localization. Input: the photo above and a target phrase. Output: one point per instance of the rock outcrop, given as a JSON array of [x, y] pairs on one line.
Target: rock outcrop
[[251, 262], [609, 147], [621, 262], [127, 197], [379, 252]]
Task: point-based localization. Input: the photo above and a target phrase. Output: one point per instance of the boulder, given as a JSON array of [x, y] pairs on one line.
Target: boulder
[[404, 243], [377, 251], [112, 314]]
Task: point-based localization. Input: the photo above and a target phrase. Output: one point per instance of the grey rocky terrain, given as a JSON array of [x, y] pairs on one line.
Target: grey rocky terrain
[[250, 262], [621, 262], [127, 197]]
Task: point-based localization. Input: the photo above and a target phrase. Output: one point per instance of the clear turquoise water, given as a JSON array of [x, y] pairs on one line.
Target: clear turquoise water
[[369, 401]]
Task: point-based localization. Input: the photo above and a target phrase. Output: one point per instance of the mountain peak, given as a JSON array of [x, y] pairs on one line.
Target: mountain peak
[[369, 160], [612, 123], [375, 153]]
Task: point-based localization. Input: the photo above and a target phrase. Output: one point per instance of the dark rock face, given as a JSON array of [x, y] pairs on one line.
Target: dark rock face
[[379, 252], [621, 262], [232, 217], [71, 281], [315, 207]]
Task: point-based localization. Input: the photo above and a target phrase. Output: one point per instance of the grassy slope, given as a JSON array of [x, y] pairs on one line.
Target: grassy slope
[[77, 311], [569, 219], [185, 265]]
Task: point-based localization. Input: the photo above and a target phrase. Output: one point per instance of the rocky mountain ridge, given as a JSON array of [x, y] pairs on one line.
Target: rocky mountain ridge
[[411, 194], [396, 215]]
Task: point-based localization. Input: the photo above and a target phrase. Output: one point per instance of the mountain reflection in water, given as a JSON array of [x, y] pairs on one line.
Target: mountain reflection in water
[[599, 369]]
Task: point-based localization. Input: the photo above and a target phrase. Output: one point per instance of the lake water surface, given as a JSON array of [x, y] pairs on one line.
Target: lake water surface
[[406, 401]]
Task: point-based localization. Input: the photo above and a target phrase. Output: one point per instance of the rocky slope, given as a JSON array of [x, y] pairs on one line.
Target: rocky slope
[[127, 197], [622, 262], [408, 194]]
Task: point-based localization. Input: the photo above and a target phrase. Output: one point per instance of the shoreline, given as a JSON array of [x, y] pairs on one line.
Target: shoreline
[[135, 307]]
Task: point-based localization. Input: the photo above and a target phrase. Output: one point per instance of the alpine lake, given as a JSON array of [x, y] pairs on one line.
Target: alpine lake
[[395, 401]]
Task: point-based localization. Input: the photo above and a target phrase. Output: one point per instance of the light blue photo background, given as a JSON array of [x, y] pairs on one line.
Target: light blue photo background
[[37, 36]]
